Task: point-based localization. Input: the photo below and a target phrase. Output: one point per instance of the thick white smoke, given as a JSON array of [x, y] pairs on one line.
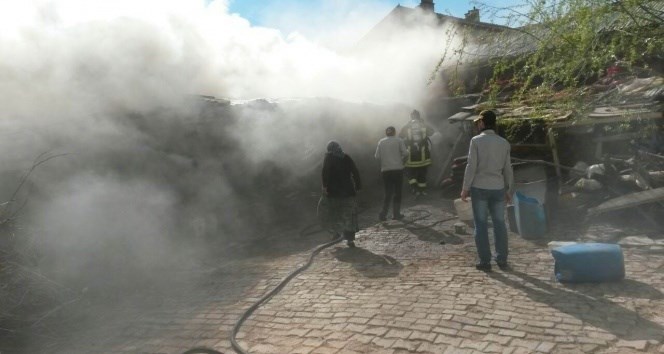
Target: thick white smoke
[[146, 52], [109, 83]]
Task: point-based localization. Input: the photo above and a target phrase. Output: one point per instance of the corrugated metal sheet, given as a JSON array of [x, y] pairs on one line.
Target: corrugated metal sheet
[[629, 201], [644, 14]]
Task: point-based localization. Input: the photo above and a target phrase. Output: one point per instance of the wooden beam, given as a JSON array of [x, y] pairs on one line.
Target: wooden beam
[[551, 137], [625, 118]]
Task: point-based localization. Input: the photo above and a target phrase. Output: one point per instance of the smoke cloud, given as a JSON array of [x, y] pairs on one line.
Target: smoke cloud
[[110, 83]]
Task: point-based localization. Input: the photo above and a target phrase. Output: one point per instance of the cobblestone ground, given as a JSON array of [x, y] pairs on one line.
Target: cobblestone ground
[[411, 287]]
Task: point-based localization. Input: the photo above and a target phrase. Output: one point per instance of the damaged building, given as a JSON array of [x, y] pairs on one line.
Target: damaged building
[[587, 156], [601, 155]]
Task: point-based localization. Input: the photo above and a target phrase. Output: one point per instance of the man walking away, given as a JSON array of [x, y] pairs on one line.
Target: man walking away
[[490, 182], [416, 134], [391, 152]]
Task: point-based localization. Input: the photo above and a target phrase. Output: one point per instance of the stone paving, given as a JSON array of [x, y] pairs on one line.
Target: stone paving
[[410, 287]]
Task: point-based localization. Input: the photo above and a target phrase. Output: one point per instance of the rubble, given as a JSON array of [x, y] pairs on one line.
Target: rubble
[[614, 142]]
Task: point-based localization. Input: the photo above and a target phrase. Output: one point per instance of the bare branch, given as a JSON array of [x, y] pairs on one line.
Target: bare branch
[[38, 161], [32, 168], [27, 270], [56, 309]]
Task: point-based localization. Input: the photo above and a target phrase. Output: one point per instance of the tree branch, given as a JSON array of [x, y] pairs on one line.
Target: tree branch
[[38, 161]]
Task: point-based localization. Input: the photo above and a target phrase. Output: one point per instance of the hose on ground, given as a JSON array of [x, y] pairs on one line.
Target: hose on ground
[[268, 296], [305, 231]]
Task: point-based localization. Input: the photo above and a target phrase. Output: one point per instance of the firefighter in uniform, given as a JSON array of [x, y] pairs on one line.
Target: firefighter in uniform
[[416, 135]]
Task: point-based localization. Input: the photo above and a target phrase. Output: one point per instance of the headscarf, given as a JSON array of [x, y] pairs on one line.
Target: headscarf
[[334, 149]]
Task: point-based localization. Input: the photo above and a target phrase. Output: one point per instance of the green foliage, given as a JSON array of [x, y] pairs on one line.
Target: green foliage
[[522, 131], [566, 44], [578, 39]]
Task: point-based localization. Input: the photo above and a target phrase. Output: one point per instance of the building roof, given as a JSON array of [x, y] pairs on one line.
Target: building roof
[[407, 17]]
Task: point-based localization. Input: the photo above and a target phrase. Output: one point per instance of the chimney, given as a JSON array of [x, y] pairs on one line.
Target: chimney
[[473, 15], [427, 5]]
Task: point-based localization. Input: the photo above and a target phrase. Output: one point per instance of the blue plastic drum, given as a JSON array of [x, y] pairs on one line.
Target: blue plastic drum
[[530, 217], [589, 263]]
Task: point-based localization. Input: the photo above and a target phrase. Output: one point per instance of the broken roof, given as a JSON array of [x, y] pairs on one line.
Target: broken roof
[[634, 98]]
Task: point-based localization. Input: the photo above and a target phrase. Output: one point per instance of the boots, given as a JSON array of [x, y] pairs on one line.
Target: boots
[[350, 238]]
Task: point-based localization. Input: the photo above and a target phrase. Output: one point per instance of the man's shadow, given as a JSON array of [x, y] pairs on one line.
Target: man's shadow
[[369, 264], [589, 308], [427, 233]]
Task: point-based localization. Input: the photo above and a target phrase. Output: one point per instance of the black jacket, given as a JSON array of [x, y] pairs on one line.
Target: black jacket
[[340, 176]]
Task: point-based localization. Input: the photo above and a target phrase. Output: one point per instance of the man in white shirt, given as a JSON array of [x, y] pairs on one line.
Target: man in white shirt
[[391, 152], [489, 181]]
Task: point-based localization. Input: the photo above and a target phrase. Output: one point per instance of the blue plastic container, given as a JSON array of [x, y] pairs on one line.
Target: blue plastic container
[[588, 263], [530, 217]]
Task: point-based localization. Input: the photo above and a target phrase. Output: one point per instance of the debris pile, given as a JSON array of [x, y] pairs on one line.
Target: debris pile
[[605, 154]]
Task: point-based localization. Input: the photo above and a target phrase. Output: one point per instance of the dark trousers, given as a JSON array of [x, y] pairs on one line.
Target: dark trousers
[[417, 178], [349, 235], [392, 181]]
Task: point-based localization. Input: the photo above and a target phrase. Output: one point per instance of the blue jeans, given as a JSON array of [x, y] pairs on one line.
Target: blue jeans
[[485, 202]]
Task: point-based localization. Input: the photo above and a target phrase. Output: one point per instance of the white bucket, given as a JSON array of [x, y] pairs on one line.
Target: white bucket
[[464, 210]]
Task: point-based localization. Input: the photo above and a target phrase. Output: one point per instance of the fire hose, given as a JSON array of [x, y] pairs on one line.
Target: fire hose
[[265, 298], [274, 291], [292, 275]]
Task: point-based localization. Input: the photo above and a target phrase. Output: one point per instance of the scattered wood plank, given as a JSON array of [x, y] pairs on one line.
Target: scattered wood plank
[[629, 201]]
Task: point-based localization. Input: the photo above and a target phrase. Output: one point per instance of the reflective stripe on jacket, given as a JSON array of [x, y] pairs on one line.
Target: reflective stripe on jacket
[[416, 133]]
